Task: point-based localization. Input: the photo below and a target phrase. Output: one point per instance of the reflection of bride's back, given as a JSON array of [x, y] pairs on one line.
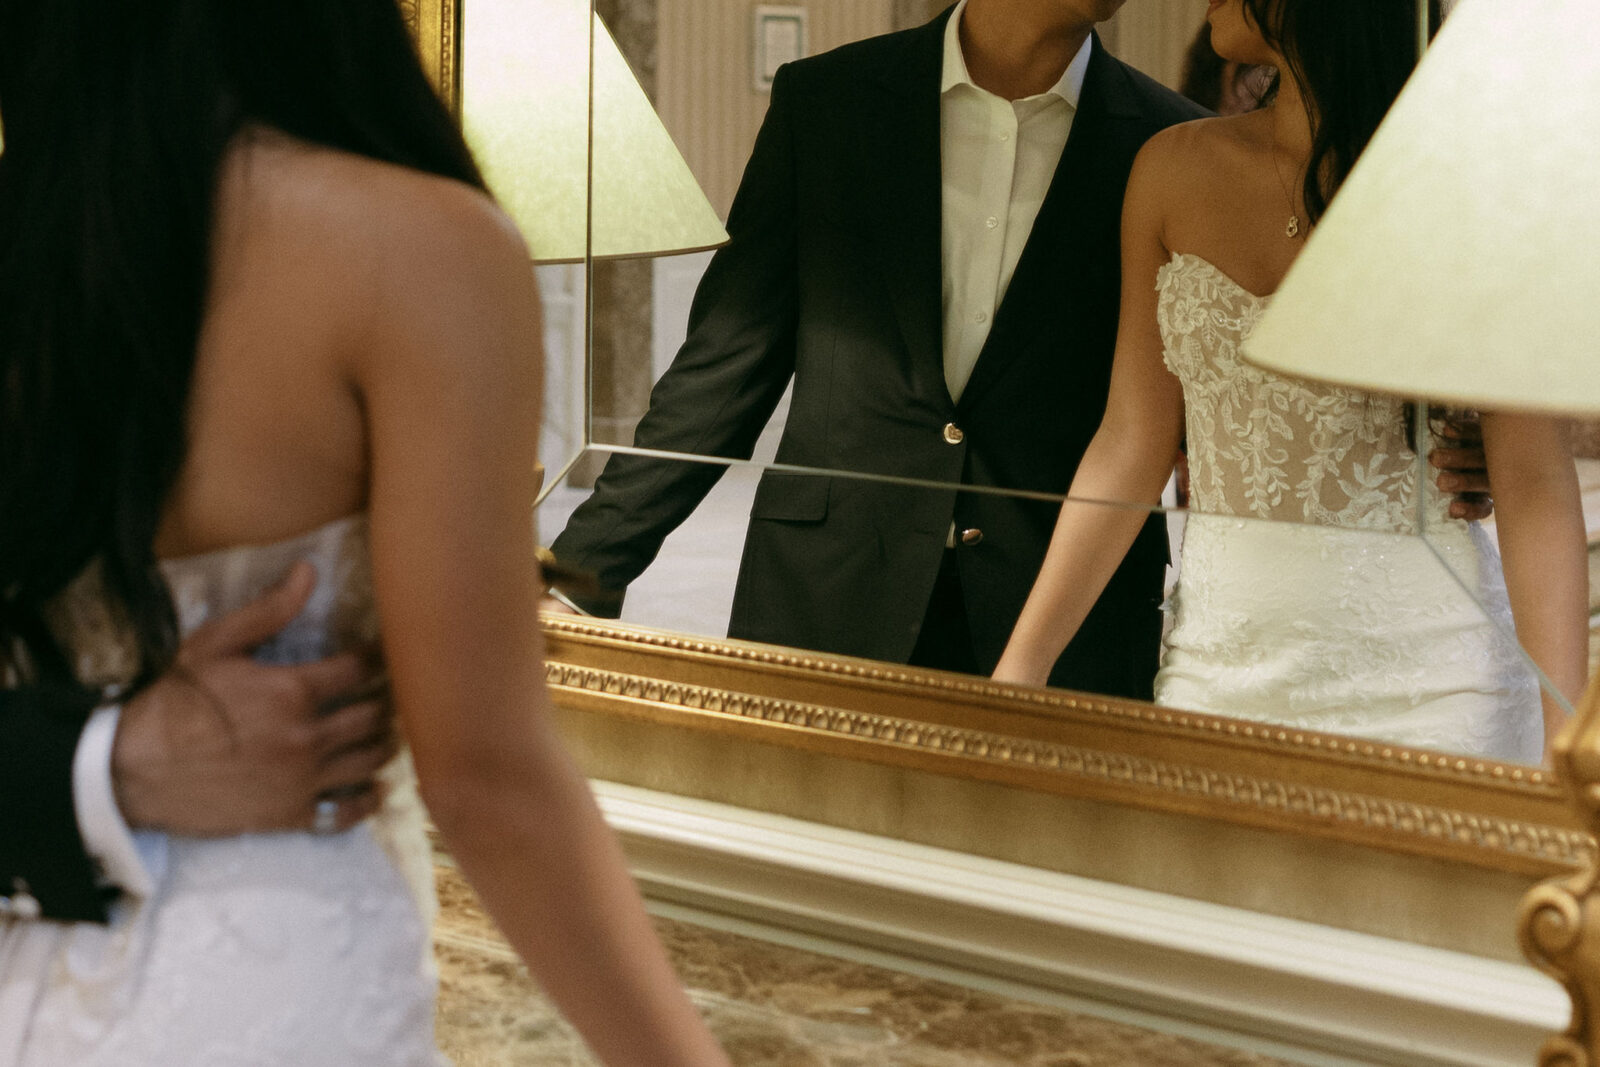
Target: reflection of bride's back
[[1335, 616]]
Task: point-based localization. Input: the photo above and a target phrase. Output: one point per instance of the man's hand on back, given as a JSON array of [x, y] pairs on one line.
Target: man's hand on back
[[222, 745]]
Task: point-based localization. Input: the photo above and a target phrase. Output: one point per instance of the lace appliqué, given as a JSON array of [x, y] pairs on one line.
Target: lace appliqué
[[1334, 617], [1268, 446], [264, 950]]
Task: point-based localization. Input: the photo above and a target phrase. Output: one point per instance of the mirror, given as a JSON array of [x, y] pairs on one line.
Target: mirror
[[1365, 480], [889, 737], [1356, 632], [1546, 609]]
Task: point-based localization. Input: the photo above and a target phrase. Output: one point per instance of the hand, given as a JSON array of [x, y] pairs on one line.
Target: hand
[[1011, 670], [548, 603], [222, 745], [1463, 467]]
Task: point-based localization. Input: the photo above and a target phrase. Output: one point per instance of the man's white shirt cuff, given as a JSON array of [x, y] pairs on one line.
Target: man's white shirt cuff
[[555, 594], [131, 862]]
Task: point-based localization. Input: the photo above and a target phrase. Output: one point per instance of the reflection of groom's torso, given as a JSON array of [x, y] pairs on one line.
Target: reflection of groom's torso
[[987, 364]]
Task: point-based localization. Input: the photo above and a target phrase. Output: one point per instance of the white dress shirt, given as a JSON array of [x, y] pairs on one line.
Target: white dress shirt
[[997, 160], [130, 862]]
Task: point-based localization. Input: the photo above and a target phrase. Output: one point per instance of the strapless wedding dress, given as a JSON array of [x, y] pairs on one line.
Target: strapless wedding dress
[[1304, 596], [266, 950]]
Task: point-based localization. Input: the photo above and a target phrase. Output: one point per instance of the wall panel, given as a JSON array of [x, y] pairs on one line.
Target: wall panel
[[705, 90]]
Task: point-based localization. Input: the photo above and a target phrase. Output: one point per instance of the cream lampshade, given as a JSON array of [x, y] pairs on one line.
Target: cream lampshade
[[525, 108], [1459, 260]]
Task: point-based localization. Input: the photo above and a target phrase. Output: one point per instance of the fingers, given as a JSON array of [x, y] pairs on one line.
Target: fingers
[[354, 769], [1474, 507], [352, 808], [1465, 482], [243, 629], [362, 725], [1458, 459], [336, 680], [1467, 427]]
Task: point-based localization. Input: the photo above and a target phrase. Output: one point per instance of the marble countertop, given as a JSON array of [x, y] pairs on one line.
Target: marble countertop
[[775, 1006]]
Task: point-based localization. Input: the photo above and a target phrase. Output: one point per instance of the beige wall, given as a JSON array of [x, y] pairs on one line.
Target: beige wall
[[1153, 35], [704, 85], [703, 74]]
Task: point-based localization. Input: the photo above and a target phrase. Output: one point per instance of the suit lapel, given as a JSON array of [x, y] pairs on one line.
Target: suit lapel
[[900, 144], [1075, 235]]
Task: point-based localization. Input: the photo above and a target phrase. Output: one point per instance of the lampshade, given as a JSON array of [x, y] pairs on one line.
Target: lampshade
[[1459, 260], [525, 99]]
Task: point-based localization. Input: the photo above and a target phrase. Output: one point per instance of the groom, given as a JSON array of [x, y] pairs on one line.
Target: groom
[[219, 745], [926, 241]]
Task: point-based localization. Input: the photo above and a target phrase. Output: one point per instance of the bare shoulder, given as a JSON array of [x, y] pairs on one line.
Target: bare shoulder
[[1186, 169], [391, 223], [1204, 146]]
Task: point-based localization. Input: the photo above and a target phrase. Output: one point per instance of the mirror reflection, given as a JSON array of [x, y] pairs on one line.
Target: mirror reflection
[[863, 236], [936, 285], [1351, 631], [964, 277], [1546, 530]]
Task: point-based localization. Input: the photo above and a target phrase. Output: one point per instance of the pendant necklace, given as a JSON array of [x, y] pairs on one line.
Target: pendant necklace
[[1292, 230]]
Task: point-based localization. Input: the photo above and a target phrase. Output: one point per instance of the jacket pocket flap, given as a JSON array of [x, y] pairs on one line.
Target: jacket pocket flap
[[791, 498]]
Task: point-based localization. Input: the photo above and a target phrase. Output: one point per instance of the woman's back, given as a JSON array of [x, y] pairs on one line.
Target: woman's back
[[312, 250], [272, 949]]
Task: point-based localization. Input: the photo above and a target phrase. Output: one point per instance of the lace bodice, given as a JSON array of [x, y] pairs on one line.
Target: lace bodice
[[1268, 446], [264, 949]]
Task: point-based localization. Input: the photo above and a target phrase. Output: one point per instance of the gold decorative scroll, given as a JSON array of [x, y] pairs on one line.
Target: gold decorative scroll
[[436, 25]]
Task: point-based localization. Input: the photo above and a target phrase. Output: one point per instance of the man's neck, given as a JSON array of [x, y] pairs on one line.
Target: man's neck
[[1018, 48]]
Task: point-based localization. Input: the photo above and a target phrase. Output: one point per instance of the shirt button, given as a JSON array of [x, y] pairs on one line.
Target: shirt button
[[973, 536], [980, 317], [991, 222], [1005, 137], [953, 434]]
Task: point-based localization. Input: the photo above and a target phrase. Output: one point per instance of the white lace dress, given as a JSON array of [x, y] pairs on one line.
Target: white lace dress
[[1334, 617], [268, 950]]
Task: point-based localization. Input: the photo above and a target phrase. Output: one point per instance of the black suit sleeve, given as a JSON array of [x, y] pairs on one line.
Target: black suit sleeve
[[40, 846], [723, 385]]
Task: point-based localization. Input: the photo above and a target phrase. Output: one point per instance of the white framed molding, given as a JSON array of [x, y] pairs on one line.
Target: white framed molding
[[1296, 990]]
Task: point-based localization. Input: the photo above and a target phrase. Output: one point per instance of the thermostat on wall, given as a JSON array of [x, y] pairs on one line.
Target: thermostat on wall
[[780, 37]]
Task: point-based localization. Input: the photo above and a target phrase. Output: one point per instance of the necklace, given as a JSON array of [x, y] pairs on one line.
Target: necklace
[[1292, 230]]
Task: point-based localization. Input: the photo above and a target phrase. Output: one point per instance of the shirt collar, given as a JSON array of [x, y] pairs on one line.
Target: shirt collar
[[1069, 87]]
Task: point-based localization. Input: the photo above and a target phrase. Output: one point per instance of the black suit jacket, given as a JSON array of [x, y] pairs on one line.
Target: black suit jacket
[[833, 276], [40, 847]]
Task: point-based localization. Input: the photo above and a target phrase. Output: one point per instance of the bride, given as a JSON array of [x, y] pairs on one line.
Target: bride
[[1312, 620], [255, 307]]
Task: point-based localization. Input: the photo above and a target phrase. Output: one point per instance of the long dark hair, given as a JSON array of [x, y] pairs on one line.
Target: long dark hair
[[117, 117], [1349, 58]]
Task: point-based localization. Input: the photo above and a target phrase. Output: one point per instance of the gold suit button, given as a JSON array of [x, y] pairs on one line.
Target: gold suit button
[[953, 434], [971, 537]]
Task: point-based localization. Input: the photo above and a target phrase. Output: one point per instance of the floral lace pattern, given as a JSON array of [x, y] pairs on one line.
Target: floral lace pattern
[[1269, 446], [1351, 632], [265, 950], [1334, 617]]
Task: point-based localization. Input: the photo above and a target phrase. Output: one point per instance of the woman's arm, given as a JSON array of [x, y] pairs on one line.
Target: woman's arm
[[1544, 548], [449, 374], [1128, 461]]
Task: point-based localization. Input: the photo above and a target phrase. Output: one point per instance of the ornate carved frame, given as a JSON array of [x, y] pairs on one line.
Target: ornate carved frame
[[1476, 812], [436, 25]]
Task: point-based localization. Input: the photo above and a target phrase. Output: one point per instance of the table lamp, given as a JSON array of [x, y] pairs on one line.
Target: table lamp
[[1458, 263], [527, 83]]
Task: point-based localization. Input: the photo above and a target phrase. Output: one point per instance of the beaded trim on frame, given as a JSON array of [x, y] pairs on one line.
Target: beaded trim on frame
[[1282, 800]]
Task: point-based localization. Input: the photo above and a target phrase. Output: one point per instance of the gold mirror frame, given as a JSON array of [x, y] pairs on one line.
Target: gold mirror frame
[[714, 697]]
